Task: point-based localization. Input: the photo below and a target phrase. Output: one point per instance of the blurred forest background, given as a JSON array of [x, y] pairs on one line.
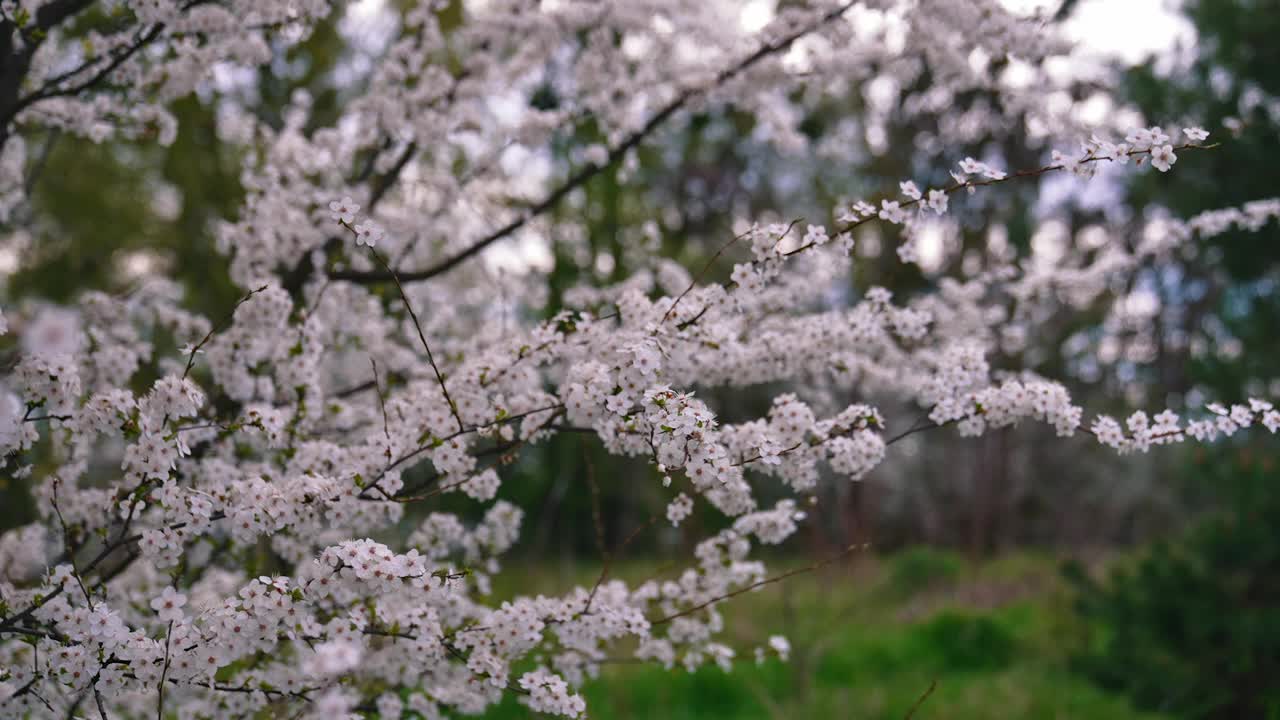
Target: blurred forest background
[[1007, 577]]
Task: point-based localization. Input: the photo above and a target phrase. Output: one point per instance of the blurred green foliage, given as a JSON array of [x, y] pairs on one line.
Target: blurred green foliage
[[1192, 627], [921, 568], [993, 642]]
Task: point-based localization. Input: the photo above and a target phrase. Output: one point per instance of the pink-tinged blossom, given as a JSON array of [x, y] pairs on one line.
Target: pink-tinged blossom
[[1163, 157], [168, 604], [344, 210]]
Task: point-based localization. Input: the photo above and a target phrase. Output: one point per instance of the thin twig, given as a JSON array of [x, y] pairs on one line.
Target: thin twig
[[505, 452], [382, 404], [702, 273], [767, 581], [599, 527], [421, 336], [604, 572], [915, 428], [71, 547], [933, 684], [863, 425], [433, 442], [191, 357], [37, 168], [97, 699], [386, 182], [163, 673]]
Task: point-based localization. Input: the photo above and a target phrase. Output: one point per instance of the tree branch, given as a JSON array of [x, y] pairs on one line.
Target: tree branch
[[582, 176], [767, 581]]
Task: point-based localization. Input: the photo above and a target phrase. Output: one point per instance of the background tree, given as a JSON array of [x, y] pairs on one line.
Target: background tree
[[1189, 628]]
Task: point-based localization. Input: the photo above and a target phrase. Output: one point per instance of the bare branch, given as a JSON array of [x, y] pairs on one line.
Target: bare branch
[[191, 357], [767, 581], [933, 684], [408, 305]]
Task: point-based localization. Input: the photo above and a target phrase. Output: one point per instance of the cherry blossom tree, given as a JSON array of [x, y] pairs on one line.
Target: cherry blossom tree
[[367, 252]]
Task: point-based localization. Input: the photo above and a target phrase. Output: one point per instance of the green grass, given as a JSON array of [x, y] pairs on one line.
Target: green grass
[[867, 642]]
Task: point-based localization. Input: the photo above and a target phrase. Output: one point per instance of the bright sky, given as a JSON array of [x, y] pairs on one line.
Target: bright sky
[[1127, 29], [1130, 30]]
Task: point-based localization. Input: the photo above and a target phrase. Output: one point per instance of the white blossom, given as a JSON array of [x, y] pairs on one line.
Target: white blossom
[[168, 605], [1195, 134], [1163, 158]]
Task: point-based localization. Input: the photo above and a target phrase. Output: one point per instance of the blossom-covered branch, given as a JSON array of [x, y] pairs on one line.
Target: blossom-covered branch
[[225, 564]]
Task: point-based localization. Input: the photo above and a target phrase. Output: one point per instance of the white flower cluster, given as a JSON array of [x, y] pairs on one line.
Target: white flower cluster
[[1162, 236], [1140, 431], [549, 693], [1001, 405], [1152, 142], [154, 51]]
